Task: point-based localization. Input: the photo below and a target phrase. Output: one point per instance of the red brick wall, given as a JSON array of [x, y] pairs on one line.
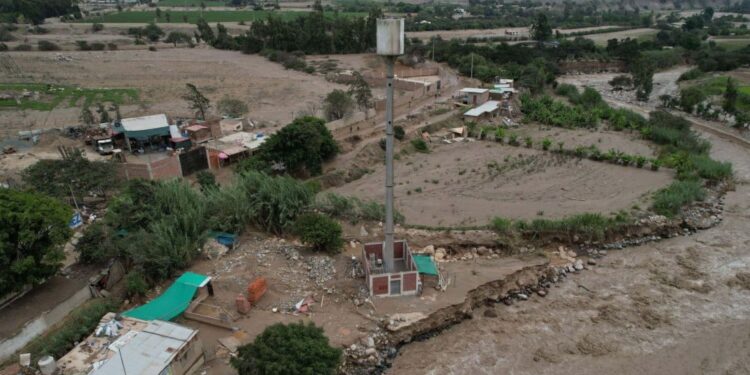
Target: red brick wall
[[166, 168], [132, 171], [380, 285], [398, 250], [374, 248], [410, 282]]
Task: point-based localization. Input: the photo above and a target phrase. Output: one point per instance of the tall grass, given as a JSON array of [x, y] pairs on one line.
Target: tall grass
[[587, 226], [352, 209], [670, 200]]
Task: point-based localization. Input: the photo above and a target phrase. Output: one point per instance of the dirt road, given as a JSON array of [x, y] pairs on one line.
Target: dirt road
[[680, 306]]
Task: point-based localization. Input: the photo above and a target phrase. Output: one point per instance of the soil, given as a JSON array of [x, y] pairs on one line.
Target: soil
[[275, 95], [468, 183], [678, 306]]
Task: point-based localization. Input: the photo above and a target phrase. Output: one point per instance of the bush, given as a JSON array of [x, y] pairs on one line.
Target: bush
[[399, 132], [96, 27], [499, 135], [502, 226], [319, 232], [297, 348], [206, 180], [529, 142], [112, 46], [135, 285], [232, 107], [3, 47], [23, 47], [96, 46], [587, 226], [420, 145], [546, 143], [705, 167], [352, 209], [670, 200], [83, 45], [513, 139], [97, 244], [45, 45]]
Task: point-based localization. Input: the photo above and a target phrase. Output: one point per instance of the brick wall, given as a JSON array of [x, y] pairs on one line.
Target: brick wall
[[166, 168]]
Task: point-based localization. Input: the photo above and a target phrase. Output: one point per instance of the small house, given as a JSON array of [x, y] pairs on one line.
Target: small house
[[400, 280], [484, 111], [198, 133], [474, 96]]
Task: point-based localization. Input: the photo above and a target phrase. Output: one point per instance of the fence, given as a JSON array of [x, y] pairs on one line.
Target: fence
[[172, 166]]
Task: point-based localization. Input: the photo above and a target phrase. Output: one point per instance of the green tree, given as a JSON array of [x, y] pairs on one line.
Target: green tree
[[87, 117], [231, 107], [360, 90], [730, 96], [103, 114], [300, 147], [297, 348], [337, 104], [153, 32], [643, 78], [158, 13], [33, 228], [97, 245], [176, 37], [319, 232], [197, 101], [205, 32], [73, 174], [541, 31], [690, 97]]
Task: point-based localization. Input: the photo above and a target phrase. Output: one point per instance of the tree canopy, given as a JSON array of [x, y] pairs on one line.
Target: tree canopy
[[298, 148], [297, 348], [74, 174], [33, 228], [337, 104], [196, 100]]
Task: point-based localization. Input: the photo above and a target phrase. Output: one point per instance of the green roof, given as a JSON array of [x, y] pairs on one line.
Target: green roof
[[425, 264], [173, 302]]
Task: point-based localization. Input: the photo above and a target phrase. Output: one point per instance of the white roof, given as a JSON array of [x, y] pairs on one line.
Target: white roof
[[144, 123], [489, 106], [147, 352], [473, 90]]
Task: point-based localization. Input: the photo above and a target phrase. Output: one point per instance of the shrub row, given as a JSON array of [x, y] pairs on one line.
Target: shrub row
[[586, 226]]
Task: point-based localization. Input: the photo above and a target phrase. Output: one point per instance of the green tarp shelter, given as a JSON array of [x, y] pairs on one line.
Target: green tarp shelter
[[173, 302], [425, 265], [143, 127]]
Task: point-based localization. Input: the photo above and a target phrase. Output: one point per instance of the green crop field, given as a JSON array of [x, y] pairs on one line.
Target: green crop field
[[50, 96], [193, 16], [190, 3], [732, 43]]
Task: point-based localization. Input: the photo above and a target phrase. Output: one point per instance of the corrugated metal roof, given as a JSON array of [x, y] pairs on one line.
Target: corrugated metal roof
[[147, 352], [144, 123], [488, 106], [472, 90]]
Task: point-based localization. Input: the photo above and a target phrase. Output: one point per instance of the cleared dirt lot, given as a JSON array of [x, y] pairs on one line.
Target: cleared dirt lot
[[273, 93], [469, 183]]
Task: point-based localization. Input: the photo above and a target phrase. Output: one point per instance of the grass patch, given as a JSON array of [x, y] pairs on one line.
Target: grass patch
[[670, 200], [192, 16], [51, 96], [352, 209], [78, 324], [587, 226]]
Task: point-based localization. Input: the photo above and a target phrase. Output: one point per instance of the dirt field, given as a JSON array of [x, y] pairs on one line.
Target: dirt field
[[469, 183], [490, 33], [601, 39], [674, 307], [274, 95]]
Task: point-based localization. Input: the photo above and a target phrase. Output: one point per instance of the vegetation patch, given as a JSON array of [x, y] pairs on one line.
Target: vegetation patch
[[46, 97], [670, 200]]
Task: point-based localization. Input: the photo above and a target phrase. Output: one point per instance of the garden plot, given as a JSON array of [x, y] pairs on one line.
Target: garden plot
[[470, 183]]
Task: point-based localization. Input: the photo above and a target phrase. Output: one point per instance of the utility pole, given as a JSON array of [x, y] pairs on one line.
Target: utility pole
[[390, 44]]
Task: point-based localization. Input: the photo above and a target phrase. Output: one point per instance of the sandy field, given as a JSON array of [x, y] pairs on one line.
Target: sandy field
[[274, 95], [470, 183], [672, 307]]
